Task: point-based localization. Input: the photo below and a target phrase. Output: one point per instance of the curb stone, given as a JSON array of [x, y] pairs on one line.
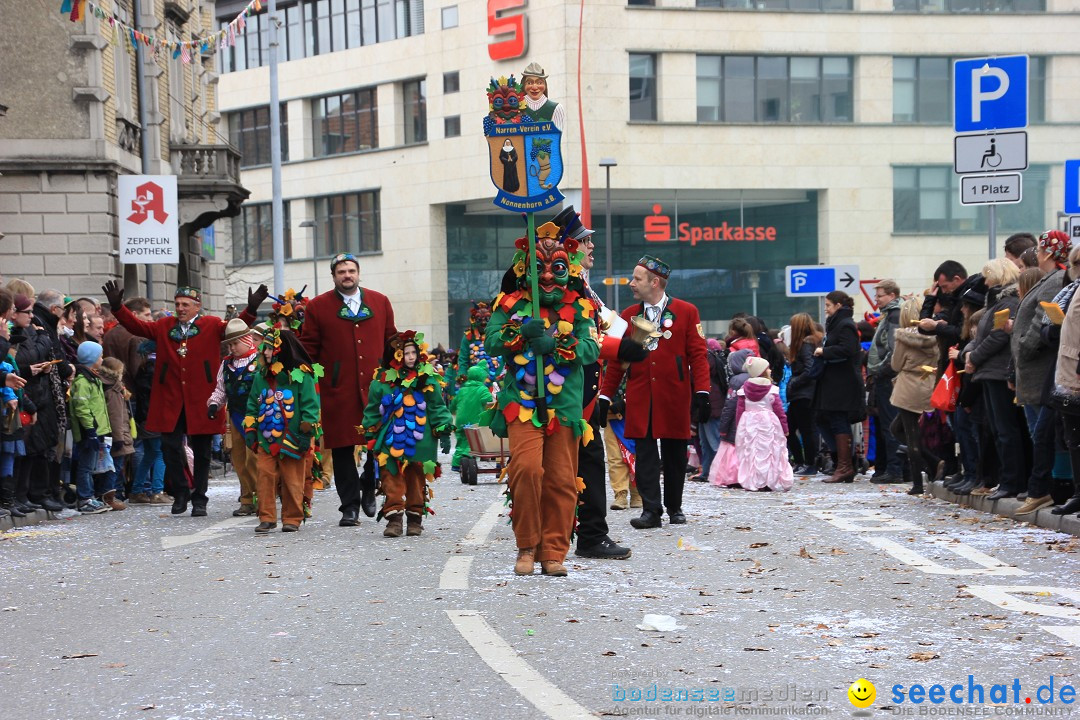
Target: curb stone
[[1007, 507]]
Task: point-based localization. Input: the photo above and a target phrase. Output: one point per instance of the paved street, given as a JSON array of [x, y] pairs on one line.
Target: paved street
[[139, 614]]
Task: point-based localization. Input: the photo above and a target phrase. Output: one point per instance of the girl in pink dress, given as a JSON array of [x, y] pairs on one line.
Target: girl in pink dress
[[761, 432], [724, 471]]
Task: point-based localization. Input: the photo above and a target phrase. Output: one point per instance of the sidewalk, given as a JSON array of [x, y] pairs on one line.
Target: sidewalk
[[1007, 507], [38, 516]]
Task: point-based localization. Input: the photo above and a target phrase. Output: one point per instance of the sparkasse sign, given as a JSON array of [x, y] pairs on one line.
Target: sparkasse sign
[[149, 217], [658, 229]]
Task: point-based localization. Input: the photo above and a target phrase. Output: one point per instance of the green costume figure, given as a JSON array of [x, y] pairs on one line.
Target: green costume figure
[[405, 415], [472, 351], [468, 405]]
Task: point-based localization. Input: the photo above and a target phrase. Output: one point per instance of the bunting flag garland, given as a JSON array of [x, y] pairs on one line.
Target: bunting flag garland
[[184, 50]]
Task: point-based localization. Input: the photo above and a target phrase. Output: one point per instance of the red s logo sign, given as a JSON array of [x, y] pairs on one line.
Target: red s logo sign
[[500, 25]]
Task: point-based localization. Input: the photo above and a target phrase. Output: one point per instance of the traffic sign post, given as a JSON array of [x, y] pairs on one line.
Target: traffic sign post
[[993, 152], [1072, 187], [990, 93], [990, 189], [814, 280]]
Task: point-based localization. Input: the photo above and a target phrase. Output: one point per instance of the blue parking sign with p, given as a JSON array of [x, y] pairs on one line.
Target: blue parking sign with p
[[990, 93]]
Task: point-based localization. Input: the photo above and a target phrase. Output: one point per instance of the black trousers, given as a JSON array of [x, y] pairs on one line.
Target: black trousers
[[800, 418], [672, 456], [350, 483], [32, 477], [905, 428], [592, 501], [172, 451]]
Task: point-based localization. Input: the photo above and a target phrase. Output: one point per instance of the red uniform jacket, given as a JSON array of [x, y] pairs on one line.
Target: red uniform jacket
[[349, 351], [662, 384], [182, 383]]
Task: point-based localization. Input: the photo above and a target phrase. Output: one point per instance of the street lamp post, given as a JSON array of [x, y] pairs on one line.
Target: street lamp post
[[753, 278], [612, 292], [314, 254]]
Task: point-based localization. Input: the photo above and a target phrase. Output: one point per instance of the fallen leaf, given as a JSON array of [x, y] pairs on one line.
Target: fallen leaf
[[866, 634], [743, 527], [269, 592], [114, 665], [148, 707], [838, 551], [804, 554], [923, 656], [994, 626], [572, 620], [609, 653], [758, 545], [75, 656]]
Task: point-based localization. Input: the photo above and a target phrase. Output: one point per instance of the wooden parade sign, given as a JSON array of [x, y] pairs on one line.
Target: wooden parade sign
[[524, 150]]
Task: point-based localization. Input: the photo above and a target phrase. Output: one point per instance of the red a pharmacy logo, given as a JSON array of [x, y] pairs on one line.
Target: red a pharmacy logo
[[149, 200]]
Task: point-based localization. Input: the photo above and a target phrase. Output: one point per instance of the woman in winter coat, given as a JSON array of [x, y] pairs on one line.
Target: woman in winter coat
[[914, 360], [802, 438], [840, 398], [988, 363], [1064, 393]]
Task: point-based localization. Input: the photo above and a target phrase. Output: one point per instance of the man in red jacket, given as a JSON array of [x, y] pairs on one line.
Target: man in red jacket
[[345, 330], [661, 392], [188, 354]]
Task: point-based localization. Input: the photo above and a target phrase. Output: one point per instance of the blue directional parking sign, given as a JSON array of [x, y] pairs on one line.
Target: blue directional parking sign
[[808, 280], [990, 93], [1072, 187]]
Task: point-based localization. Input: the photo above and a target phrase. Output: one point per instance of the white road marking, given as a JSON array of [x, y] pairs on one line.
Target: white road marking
[[169, 542], [521, 676], [477, 535], [1003, 597], [1068, 633], [990, 565], [455, 574], [863, 520]]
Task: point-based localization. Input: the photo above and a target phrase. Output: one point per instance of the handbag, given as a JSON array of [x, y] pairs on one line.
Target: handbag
[[1065, 402], [946, 391], [817, 368]]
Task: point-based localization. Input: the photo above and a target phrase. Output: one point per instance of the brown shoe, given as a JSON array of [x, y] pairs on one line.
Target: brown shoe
[[139, 499], [160, 499], [415, 524], [621, 500], [244, 509], [109, 499], [1032, 505], [553, 568], [635, 501], [393, 526], [844, 472], [526, 561]]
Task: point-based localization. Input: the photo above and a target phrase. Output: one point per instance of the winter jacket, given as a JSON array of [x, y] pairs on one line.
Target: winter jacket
[[881, 348], [801, 386], [736, 363], [728, 426], [473, 397], [116, 403], [991, 351], [122, 345], [948, 334], [1032, 358], [38, 347], [718, 381], [914, 383], [87, 408], [840, 387], [1067, 375], [745, 344]]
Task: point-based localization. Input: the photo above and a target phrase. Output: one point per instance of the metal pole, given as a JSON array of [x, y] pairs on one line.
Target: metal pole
[[315, 259], [993, 231], [144, 134], [277, 208], [611, 289], [754, 301]]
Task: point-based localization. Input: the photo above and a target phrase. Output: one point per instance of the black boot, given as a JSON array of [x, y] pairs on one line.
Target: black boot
[[7, 497], [1072, 505]]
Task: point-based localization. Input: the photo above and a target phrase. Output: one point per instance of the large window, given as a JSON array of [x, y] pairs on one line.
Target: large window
[[811, 5], [317, 27], [970, 6], [253, 233], [414, 110], [774, 89], [249, 132], [348, 223], [923, 92], [642, 86], [345, 122], [927, 200]]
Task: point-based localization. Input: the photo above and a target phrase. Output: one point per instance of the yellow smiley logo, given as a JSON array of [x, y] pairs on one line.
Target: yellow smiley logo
[[862, 693]]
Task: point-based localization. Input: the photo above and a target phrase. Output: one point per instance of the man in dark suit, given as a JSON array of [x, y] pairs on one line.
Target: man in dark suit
[[662, 392]]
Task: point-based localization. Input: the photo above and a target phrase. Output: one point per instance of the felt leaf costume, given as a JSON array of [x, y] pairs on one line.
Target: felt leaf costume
[[568, 319], [471, 350], [405, 409], [283, 407]]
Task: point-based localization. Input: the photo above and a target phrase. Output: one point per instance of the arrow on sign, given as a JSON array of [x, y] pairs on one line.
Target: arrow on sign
[[847, 280]]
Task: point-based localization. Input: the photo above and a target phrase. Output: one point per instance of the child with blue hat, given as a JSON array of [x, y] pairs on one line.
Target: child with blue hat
[[89, 425]]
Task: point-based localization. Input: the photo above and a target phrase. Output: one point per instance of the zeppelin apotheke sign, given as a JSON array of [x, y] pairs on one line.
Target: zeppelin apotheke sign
[[149, 219]]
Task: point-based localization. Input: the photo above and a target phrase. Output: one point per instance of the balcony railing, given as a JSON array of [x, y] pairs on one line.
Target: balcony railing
[[205, 163]]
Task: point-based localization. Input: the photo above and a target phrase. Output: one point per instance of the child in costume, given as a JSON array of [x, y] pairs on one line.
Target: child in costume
[[469, 403], [761, 444], [235, 376], [404, 417], [540, 409], [281, 423]]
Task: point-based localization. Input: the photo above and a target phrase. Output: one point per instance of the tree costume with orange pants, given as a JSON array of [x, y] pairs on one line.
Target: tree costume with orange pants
[[282, 421], [542, 415], [405, 415]]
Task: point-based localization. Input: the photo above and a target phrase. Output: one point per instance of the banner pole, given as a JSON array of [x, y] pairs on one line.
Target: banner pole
[[534, 283]]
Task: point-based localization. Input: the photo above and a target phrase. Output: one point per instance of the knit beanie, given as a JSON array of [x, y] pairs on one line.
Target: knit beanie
[[89, 352]]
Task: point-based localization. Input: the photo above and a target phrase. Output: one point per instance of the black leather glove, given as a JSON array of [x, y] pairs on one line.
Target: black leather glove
[[256, 297], [702, 408], [212, 410], [600, 411], [114, 293], [532, 329], [630, 351], [542, 345]]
